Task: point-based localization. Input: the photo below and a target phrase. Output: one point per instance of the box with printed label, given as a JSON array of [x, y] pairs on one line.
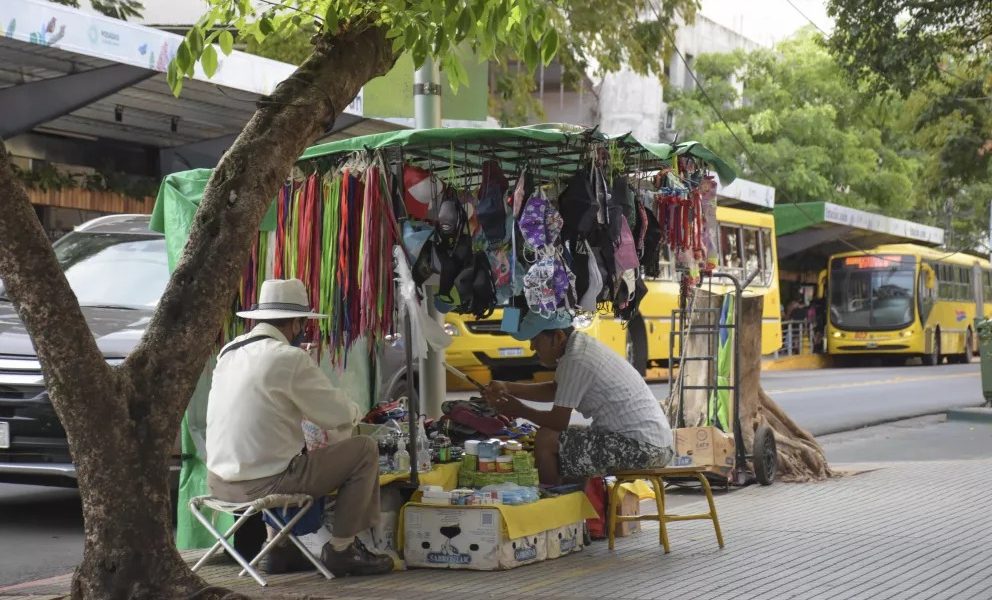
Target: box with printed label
[[703, 447], [565, 540], [465, 538]]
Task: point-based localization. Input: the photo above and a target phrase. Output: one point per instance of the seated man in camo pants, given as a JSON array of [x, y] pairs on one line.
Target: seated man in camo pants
[[629, 429]]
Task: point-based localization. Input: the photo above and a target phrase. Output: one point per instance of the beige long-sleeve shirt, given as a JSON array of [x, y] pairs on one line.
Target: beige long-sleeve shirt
[[259, 395]]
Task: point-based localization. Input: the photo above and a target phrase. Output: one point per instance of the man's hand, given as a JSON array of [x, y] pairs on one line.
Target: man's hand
[[494, 390], [507, 405]]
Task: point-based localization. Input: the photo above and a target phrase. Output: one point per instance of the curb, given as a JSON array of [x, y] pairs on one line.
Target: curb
[[796, 363], [972, 415]]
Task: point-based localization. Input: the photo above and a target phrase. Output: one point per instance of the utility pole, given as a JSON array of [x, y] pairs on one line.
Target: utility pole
[[427, 115]]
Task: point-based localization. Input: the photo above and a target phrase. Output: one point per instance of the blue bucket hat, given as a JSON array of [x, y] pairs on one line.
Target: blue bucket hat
[[533, 324]]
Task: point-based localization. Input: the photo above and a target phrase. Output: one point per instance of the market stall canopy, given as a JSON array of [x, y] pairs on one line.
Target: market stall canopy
[[550, 150], [810, 232], [87, 77]]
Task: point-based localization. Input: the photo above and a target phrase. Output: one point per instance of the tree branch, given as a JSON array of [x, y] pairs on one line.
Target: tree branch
[[36, 284], [179, 338]]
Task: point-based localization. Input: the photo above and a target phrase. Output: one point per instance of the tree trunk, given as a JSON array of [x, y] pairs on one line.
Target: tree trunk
[[800, 457], [121, 422]]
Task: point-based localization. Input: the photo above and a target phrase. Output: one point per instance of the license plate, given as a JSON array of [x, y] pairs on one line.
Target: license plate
[[860, 335], [4, 435], [510, 352]]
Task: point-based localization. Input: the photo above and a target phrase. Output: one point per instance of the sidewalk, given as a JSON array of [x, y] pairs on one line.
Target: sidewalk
[[893, 531]]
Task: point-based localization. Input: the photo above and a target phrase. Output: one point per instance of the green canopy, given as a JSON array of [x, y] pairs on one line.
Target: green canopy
[[550, 150]]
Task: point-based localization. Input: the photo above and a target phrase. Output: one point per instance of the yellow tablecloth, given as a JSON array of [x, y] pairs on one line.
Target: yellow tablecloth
[[445, 476], [527, 519]]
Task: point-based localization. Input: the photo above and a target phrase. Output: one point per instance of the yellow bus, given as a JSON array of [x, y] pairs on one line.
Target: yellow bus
[[747, 245], [903, 300]]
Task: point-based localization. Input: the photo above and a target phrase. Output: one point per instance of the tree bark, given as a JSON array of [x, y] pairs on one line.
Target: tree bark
[[121, 422], [800, 457]]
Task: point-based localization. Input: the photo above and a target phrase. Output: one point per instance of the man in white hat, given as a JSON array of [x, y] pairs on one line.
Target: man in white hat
[[264, 385]]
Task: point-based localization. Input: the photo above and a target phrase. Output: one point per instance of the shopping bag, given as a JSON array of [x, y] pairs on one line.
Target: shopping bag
[[596, 491]]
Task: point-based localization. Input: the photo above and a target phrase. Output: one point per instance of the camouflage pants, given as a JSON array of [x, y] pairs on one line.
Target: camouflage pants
[[586, 452]]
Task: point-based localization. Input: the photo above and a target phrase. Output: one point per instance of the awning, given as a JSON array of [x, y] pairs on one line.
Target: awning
[[91, 78], [810, 232]]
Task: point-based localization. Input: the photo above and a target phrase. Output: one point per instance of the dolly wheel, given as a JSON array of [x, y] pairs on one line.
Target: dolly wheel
[[765, 455]]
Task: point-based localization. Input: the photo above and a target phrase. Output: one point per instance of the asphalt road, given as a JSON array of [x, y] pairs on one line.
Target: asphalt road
[[41, 529]]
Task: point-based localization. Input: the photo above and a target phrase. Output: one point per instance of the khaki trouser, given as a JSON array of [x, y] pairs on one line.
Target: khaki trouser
[[350, 467]]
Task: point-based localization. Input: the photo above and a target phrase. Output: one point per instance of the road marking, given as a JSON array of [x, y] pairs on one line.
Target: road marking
[[872, 382]]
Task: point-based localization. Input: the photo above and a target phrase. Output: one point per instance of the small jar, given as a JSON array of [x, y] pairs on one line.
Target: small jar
[[487, 465], [504, 464]]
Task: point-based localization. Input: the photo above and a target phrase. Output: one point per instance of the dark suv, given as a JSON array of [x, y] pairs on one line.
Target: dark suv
[[118, 269]]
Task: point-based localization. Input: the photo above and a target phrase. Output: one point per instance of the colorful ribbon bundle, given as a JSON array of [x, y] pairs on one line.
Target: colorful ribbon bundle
[[335, 232]]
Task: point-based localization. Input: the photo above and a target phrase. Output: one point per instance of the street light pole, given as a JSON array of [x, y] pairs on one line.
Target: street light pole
[[427, 115]]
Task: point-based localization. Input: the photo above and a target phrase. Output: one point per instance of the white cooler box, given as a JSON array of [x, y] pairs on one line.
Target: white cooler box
[[565, 540], [466, 538]]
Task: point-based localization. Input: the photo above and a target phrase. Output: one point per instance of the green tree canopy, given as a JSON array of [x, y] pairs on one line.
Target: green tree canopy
[[808, 131], [937, 56], [118, 9]]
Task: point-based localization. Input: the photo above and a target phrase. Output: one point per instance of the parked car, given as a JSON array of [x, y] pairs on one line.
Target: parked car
[[118, 269]]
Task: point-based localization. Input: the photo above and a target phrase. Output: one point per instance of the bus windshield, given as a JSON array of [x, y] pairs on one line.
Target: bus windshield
[[872, 292]]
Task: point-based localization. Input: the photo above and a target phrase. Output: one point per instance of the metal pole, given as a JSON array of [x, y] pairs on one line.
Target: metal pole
[[427, 115]]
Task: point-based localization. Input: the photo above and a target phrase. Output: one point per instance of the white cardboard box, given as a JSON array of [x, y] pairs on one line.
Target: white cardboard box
[[565, 540], [465, 538]]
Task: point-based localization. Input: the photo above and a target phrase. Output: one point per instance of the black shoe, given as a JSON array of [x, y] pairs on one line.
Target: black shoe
[[285, 558], [355, 560]]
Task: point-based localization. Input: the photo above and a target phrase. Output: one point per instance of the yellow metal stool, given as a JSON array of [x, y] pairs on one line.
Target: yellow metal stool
[[657, 479]]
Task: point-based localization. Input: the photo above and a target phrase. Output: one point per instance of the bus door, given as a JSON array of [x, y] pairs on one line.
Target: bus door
[[927, 291]]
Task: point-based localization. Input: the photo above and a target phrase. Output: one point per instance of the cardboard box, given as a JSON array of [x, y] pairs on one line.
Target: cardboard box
[[565, 540], [465, 538], [630, 505], [703, 447]]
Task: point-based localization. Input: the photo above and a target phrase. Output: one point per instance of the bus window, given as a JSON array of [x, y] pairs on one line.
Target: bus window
[[768, 264], [868, 297], [752, 254], [966, 290], [730, 249]]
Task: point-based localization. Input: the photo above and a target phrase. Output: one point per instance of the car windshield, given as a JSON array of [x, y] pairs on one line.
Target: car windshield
[[113, 270], [871, 298]]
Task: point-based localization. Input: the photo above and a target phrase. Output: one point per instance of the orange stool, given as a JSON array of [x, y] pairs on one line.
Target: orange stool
[[657, 479]]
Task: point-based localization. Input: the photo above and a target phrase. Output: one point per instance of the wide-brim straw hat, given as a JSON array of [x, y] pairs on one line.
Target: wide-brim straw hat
[[282, 299]]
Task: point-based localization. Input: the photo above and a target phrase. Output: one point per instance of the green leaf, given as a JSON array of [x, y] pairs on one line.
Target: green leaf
[[184, 59], [331, 22], [175, 78], [532, 54], [226, 42], [549, 47], [208, 60], [195, 39], [465, 22], [398, 45], [265, 26]]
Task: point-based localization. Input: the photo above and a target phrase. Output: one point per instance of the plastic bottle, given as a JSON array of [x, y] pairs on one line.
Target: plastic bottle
[[401, 460], [423, 446]]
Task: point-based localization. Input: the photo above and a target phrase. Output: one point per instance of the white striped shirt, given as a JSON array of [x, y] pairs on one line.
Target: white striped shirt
[[604, 387]]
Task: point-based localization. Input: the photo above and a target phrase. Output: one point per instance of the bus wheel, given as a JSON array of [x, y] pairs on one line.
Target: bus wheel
[[969, 350], [933, 359], [637, 346]]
